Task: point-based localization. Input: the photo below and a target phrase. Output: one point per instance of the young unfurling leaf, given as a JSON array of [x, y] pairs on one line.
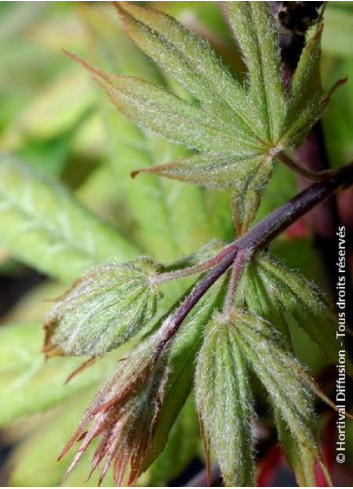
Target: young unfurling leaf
[[224, 402], [103, 309], [123, 415], [282, 376], [181, 365], [277, 293], [300, 458], [136, 409]]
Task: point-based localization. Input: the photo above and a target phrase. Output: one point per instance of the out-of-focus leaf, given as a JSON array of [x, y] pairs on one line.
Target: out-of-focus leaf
[[33, 305], [15, 18], [61, 28], [56, 109], [18, 346], [337, 122], [337, 37], [181, 447], [35, 459], [224, 402], [44, 226], [48, 156], [254, 29], [103, 309], [28, 384]]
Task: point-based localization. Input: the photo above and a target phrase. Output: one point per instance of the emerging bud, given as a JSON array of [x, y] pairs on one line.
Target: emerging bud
[[124, 415], [103, 309]]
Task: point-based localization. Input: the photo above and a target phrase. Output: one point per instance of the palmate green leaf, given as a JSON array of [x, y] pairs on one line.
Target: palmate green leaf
[[282, 376], [218, 124], [28, 384], [43, 225], [103, 309], [233, 128], [253, 26], [158, 206], [224, 402], [189, 59]]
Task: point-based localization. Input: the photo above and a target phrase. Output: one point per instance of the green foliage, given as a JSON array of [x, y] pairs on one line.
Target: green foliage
[[189, 59], [233, 345], [103, 309], [45, 226], [277, 293], [144, 418], [260, 48], [29, 384], [181, 447], [237, 130], [181, 363], [299, 457], [246, 197], [224, 402], [286, 384], [306, 103]]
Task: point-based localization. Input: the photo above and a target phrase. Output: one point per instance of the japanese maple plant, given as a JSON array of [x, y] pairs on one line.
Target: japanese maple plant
[[224, 339]]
